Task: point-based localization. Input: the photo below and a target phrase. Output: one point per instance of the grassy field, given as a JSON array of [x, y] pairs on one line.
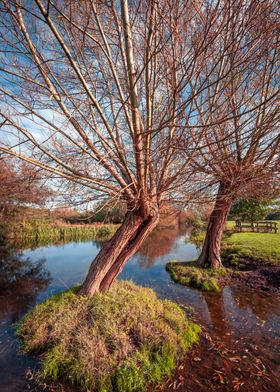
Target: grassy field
[[264, 246], [259, 246]]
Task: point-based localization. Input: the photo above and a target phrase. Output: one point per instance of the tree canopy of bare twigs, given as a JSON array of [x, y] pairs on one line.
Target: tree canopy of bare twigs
[[241, 155], [126, 99]]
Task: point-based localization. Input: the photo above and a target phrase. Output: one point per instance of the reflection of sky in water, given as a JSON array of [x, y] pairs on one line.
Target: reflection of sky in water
[[243, 314], [237, 309], [69, 263]]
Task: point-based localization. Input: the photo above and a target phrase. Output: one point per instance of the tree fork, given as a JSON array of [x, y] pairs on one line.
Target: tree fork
[[144, 230], [116, 252]]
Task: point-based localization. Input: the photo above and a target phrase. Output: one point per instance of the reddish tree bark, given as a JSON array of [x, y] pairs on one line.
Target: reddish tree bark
[[116, 252], [211, 251]]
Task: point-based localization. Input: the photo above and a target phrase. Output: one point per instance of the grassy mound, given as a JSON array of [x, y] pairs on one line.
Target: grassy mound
[[121, 340], [191, 275]]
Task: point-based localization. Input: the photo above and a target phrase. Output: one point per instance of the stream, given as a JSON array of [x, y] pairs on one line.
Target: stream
[[244, 322]]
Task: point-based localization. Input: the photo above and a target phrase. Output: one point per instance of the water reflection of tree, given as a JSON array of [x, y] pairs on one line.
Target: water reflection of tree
[[160, 243], [20, 281], [217, 312], [261, 304]]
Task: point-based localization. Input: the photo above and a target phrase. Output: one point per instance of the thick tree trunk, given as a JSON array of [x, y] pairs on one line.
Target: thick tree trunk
[[116, 252], [211, 252]]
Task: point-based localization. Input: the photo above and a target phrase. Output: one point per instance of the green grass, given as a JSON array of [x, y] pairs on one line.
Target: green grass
[[123, 340], [236, 249], [260, 246], [230, 225], [28, 236], [191, 275], [263, 247]]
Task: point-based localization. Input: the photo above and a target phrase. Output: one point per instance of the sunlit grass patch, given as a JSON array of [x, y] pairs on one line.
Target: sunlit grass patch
[[121, 340], [230, 225], [264, 247], [191, 275], [260, 246]]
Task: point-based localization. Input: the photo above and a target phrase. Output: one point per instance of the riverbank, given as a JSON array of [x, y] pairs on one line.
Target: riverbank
[[263, 248], [251, 259], [29, 236], [189, 274], [255, 274], [254, 256], [250, 273]]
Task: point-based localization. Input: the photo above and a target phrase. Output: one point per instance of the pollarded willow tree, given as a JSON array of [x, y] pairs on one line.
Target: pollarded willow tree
[[103, 95], [241, 155]]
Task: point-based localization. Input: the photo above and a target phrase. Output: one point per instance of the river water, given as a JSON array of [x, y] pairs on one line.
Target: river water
[[28, 277]]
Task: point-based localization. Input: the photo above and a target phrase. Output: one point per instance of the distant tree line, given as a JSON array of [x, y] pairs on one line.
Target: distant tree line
[[254, 209], [20, 185]]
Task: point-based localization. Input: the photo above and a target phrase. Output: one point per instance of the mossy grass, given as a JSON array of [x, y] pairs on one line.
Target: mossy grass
[[122, 340], [191, 275]]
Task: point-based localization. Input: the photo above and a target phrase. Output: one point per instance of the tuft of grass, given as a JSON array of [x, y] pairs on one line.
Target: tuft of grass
[[122, 340], [191, 275]]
